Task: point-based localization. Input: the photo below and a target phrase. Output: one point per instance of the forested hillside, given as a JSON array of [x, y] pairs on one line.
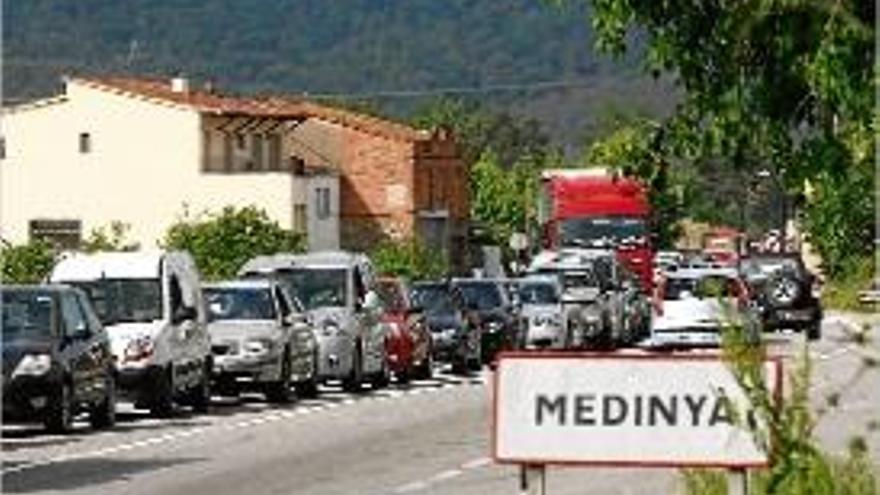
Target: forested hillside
[[400, 52]]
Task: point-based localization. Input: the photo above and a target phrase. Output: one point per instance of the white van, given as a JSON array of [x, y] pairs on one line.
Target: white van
[[151, 305]]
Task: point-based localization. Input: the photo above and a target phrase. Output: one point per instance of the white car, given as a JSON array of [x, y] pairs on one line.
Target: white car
[[541, 303], [260, 339], [150, 303], [694, 305]]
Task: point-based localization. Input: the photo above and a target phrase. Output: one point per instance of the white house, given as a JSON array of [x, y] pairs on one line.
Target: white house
[[146, 152]]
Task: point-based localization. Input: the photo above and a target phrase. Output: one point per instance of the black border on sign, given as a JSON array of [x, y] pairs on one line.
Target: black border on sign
[[777, 395]]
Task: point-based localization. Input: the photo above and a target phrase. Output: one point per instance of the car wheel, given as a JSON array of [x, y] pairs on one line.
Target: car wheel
[[309, 388], [278, 391], [354, 381], [59, 418], [459, 365], [382, 378], [162, 405], [103, 414], [200, 395], [814, 331], [426, 370]]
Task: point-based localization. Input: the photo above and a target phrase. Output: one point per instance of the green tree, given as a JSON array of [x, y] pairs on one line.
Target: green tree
[[221, 242], [480, 130], [769, 84], [409, 259], [26, 263]]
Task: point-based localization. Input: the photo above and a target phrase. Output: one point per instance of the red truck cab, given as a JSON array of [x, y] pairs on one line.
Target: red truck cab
[[592, 208]]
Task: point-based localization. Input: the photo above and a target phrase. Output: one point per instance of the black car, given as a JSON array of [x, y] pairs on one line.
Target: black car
[[782, 289], [455, 336], [56, 358], [500, 323]]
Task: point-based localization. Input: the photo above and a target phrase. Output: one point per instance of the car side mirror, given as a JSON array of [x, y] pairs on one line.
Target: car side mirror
[[81, 332], [182, 314]]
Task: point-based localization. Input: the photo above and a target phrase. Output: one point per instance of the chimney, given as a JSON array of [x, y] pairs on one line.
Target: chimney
[[180, 84]]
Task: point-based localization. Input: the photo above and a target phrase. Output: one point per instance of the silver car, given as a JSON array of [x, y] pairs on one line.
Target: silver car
[[260, 340], [336, 289], [541, 303]]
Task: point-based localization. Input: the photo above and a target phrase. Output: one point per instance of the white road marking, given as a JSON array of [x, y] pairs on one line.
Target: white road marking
[[446, 475], [429, 386], [415, 486], [476, 463]]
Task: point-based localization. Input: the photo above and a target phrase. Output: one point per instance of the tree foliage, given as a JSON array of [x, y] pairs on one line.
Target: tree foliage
[[221, 242], [112, 237], [26, 263], [480, 130], [769, 84], [409, 259]]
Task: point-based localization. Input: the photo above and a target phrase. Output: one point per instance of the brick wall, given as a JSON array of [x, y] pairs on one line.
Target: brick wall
[[386, 182]]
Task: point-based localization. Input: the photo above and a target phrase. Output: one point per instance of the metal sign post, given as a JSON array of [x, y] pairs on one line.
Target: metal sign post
[[738, 482], [532, 479]]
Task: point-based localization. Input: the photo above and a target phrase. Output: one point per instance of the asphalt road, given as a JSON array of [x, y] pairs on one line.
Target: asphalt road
[[430, 437]]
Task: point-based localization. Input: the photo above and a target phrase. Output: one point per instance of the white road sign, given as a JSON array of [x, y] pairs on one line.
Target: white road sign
[[623, 410]]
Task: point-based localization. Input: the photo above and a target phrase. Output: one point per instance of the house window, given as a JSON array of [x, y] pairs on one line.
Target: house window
[[65, 234], [300, 222], [2, 148], [239, 141], [322, 203], [274, 152], [85, 142]]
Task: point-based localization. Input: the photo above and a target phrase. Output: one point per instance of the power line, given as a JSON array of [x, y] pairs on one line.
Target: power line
[[490, 88]]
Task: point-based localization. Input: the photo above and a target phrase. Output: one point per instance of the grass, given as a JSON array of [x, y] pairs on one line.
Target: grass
[[842, 292]]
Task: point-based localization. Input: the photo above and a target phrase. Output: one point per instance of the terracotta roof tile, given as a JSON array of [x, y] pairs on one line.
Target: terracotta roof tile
[[271, 107]]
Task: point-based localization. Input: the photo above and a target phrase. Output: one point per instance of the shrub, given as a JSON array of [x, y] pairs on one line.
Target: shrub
[[109, 238], [27, 263], [221, 242], [409, 259], [800, 466]]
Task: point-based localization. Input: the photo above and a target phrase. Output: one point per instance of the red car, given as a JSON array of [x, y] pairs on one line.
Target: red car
[[408, 345]]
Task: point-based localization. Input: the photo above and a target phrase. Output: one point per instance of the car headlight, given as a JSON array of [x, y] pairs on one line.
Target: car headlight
[[33, 365], [139, 348], [494, 326], [257, 346]]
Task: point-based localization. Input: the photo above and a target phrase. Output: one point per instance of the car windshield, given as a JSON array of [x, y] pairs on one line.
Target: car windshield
[[596, 231], [239, 304], [433, 299], [538, 293], [481, 295], [710, 286], [124, 300], [27, 313], [317, 287], [392, 295]]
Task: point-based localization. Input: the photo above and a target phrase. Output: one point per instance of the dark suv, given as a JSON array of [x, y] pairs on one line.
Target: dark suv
[[56, 358], [455, 333], [782, 289], [500, 323]]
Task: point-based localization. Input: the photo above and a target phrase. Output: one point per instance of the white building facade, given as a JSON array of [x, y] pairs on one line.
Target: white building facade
[[147, 153]]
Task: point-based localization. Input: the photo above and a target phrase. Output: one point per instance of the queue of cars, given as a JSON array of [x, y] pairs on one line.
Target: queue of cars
[[142, 326]]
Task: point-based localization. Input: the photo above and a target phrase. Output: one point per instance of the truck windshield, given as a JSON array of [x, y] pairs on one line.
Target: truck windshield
[[239, 304], [317, 287], [124, 300], [27, 313], [596, 231]]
